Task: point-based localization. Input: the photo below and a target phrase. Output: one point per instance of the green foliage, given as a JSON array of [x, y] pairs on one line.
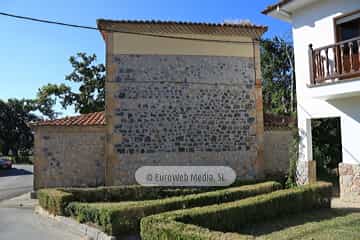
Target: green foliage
[[277, 67], [293, 158], [127, 193], [105, 194], [124, 217], [24, 157], [47, 96], [327, 150], [15, 134], [216, 221], [123, 193], [90, 96], [54, 200]]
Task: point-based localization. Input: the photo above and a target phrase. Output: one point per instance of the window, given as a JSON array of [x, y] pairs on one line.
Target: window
[[348, 28]]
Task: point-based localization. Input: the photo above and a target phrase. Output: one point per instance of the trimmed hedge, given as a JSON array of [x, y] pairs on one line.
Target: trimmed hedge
[[225, 220], [55, 200], [124, 217]]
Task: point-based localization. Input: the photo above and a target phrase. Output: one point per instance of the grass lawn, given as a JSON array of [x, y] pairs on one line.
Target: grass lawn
[[329, 224]]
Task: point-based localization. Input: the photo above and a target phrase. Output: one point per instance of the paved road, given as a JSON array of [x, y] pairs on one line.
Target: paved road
[[23, 223], [17, 217], [16, 181]]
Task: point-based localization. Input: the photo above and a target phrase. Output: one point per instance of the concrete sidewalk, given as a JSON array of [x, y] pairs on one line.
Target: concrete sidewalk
[[19, 221], [337, 203], [22, 201]]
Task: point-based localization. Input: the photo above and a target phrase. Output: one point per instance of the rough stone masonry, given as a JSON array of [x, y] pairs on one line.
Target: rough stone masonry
[[180, 110], [69, 156], [180, 102]]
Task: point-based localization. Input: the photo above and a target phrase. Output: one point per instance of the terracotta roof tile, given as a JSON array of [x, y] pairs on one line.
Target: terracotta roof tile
[[90, 119], [173, 27], [159, 22], [274, 6]]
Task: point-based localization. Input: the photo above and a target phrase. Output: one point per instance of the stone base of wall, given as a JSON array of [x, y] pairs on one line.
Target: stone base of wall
[[125, 166], [305, 172], [349, 182]]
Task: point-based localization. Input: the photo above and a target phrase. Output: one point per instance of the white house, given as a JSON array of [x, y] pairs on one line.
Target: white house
[[326, 37]]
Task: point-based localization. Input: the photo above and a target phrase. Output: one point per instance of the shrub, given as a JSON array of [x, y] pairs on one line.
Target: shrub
[[294, 156], [115, 194], [124, 217], [195, 223], [128, 193], [54, 200]]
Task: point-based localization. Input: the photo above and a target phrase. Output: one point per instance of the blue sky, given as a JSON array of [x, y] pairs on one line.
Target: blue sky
[[34, 54]]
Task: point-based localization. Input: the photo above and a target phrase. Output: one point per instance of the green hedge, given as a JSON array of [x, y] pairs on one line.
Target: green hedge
[[127, 193], [124, 217], [55, 200], [225, 220]]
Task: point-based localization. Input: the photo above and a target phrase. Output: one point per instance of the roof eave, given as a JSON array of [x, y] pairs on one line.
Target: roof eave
[[273, 7], [100, 25], [285, 9], [280, 14], [107, 24]]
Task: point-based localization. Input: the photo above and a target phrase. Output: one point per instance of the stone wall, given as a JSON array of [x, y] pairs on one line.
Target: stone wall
[[276, 151], [69, 156], [349, 182], [181, 110]]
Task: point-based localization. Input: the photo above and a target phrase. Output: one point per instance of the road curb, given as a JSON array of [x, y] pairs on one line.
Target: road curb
[[86, 231]]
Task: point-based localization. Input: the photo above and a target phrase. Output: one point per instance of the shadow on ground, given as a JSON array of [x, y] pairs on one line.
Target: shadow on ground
[[130, 237], [296, 220], [14, 172]]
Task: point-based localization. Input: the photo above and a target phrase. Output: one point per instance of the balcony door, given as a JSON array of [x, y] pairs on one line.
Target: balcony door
[[347, 28]]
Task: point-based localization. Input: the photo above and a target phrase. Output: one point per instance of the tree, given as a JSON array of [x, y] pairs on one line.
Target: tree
[[90, 96], [15, 134], [277, 66], [46, 98]]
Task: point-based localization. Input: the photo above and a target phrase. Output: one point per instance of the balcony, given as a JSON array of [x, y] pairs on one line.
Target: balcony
[[335, 63]]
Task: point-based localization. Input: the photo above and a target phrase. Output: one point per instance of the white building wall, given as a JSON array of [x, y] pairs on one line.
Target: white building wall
[[314, 25]]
